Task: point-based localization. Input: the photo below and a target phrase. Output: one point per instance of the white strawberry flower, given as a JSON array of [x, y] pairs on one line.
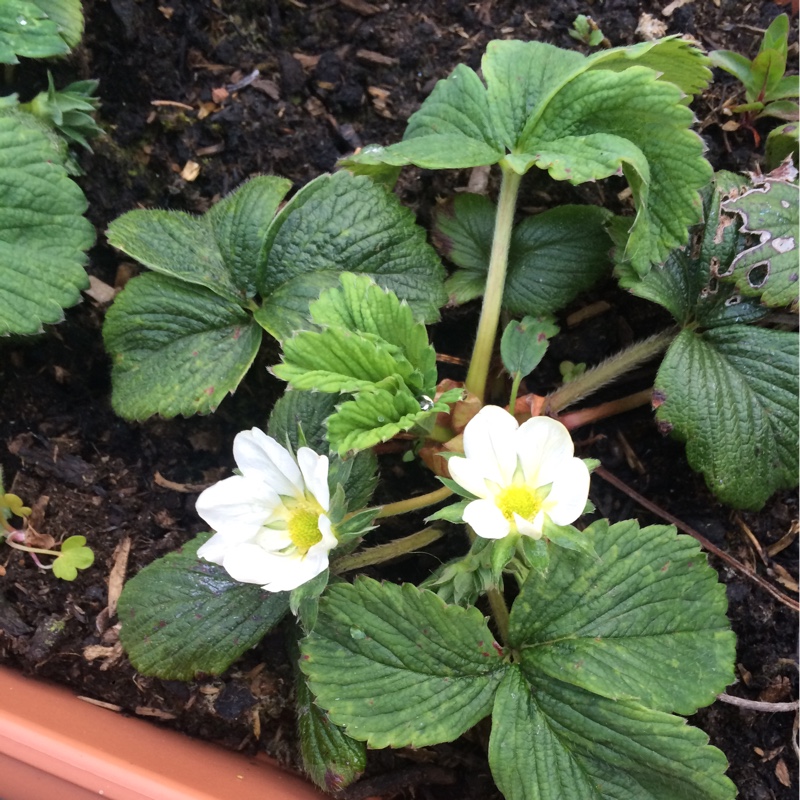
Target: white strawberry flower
[[521, 474], [271, 521]]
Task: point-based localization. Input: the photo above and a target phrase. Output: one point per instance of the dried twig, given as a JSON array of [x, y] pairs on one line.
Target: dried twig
[[758, 705], [705, 543]]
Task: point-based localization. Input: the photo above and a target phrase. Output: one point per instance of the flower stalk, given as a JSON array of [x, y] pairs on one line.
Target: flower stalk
[[386, 552], [414, 503]]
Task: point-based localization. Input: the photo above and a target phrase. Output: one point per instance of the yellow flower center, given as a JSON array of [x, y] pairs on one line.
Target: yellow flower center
[[303, 527], [518, 500]]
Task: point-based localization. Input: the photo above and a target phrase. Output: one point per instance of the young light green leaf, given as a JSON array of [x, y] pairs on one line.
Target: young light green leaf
[[770, 268], [43, 235], [177, 348], [344, 223], [338, 360], [182, 616], [379, 413], [397, 667], [218, 250], [68, 16], [28, 29], [553, 256], [731, 394], [524, 343], [554, 741], [673, 58], [642, 620], [74, 556], [330, 757]]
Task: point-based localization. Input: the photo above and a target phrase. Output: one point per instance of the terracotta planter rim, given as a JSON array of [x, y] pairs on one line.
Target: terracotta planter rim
[[54, 745]]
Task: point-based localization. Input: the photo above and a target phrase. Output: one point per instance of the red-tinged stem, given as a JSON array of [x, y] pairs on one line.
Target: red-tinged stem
[[575, 419]]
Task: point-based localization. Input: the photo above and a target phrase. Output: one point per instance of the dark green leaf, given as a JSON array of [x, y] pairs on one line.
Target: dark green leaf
[[177, 348], [524, 344], [182, 616], [397, 667]]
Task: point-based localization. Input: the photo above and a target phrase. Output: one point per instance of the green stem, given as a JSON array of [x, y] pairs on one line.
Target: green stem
[[386, 552], [414, 503], [495, 284], [512, 402], [608, 371], [500, 613]]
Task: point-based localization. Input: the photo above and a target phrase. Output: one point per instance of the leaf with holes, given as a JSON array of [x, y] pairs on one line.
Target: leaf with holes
[[397, 667], [769, 269], [182, 616]]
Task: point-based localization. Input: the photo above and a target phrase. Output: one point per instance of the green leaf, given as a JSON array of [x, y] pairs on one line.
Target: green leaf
[[182, 616], [603, 121], [687, 283], [344, 223], [643, 620], [769, 269], [737, 65], [68, 17], [554, 741], [520, 76], [553, 256], [218, 250], [673, 58], [306, 411], [369, 334], [524, 344], [38, 28], [177, 348], [377, 414], [74, 556], [397, 667], [330, 757], [731, 394], [781, 142], [43, 235]]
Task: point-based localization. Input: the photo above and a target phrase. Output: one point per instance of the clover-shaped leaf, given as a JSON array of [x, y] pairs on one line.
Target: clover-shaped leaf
[[74, 555]]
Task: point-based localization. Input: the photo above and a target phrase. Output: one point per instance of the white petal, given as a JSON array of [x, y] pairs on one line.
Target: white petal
[[260, 456], [543, 446], [250, 563], [315, 474], [298, 571], [215, 548], [490, 440], [329, 540], [531, 528], [272, 540], [486, 519], [469, 475], [239, 504], [569, 493]]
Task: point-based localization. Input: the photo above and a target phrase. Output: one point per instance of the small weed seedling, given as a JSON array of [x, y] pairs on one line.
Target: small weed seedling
[[74, 553], [615, 631], [586, 30], [769, 92]]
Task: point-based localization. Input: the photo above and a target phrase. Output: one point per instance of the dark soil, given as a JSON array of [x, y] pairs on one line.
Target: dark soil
[[322, 91]]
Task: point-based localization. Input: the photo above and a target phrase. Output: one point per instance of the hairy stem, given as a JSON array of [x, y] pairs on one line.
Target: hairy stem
[[386, 552], [414, 503], [495, 284], [608, 371], [500, 613]]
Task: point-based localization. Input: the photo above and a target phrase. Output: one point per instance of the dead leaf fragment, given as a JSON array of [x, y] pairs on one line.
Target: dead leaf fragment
[[360, 7], [371, 57], [650, 28], [185, 488], [782, 773], [785, 578], [190, 171], [116, 578], [219, 94], [667, 11], [147, 711], [100, 291]]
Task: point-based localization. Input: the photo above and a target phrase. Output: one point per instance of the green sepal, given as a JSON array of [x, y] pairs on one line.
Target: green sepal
[[568, 537], [304, 600], [453, 513], [535, 553]]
